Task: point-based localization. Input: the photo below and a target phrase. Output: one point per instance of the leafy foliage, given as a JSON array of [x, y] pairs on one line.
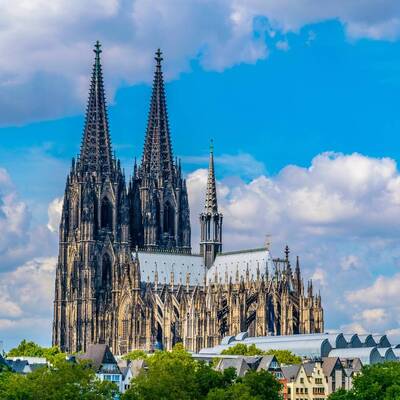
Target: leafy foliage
[[241, 349], [253, 386], [135, 355], [376, 382], [31, 349], [67, 381], [283, 356], [176, 375]]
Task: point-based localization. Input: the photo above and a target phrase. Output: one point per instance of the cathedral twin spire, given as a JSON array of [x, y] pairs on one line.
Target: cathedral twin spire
[[157, 153], [95, 154]]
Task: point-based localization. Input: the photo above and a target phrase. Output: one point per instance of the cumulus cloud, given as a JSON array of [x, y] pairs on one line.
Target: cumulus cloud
[[46, 48], [54, 214], [341, 215], [383, 292], [20, 240], [26, 301]]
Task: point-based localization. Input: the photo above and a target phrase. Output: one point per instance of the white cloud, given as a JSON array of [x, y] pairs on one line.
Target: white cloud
[[20, 240], [383, 292], [319, 276], [341, 215], [47, 46], [26, 301], [54, 214]]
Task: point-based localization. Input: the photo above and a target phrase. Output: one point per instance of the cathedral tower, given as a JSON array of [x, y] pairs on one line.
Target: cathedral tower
[[210, 219], [159, 207], [94, 232]]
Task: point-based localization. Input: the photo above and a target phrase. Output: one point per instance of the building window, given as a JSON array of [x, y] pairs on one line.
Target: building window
[[169, 219], [106, 270], [106, 214]]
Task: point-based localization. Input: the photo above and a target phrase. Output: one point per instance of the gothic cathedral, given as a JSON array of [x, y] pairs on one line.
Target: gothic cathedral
[[126, 273]]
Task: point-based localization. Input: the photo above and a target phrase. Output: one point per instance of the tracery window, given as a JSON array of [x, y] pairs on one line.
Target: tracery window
[[106, 214]]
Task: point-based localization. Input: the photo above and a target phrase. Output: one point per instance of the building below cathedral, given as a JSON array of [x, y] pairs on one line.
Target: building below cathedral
[[126, 275]]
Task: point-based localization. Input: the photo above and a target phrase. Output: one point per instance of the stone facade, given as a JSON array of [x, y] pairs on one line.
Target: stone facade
[[126, 276]]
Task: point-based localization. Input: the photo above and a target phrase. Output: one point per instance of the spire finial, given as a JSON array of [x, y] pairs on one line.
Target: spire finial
[[211, 205], [158, 57], [97, 49], [287, 252]]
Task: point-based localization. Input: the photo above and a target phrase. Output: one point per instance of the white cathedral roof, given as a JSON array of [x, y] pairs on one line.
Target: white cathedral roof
[[182, 265], [226, 267], [236, 264]]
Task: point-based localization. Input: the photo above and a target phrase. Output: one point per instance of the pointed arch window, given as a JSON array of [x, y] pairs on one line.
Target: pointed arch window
[[106, 271], [106, 214], [169, 219]]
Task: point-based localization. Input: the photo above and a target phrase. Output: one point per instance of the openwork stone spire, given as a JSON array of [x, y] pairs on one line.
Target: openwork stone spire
[[157, 153], [211, 205], [95, 155], [210, 219]]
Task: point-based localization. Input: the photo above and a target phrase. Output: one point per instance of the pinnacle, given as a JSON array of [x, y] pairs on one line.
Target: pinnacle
[[157, 153], [211, 204], [95, 154]]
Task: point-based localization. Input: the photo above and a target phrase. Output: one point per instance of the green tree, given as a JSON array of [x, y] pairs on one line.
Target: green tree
[[253, 386], [176, 375], [135, 355], [262, 385], [242, 349], [342, 394], [31, 349], [67, 381], [284, 356], [376, 382], [237, 391]]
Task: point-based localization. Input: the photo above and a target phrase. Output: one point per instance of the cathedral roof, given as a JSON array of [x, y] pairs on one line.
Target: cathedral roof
[[95, 154], [237, 264], [164, 263], [227, 266]]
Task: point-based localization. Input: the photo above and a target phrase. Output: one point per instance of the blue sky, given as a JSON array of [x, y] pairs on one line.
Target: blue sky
[[327, 94], [302, 104]]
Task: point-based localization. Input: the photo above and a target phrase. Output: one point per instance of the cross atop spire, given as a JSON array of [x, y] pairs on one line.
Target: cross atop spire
[[95, 154], [287, 252], [158, 57], [157, 154], [211, 205]]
